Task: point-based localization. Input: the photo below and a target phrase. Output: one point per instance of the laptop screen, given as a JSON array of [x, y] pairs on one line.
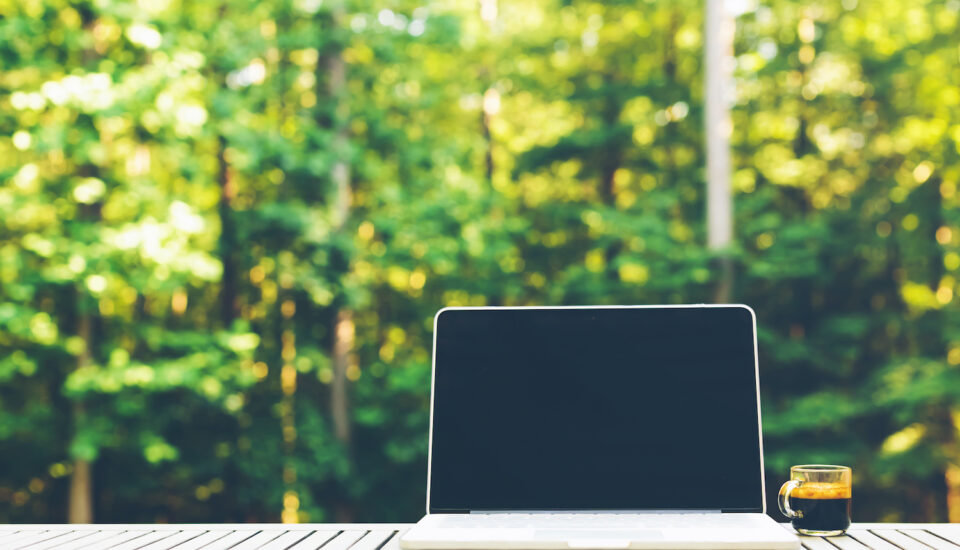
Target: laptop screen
[[595, 409]]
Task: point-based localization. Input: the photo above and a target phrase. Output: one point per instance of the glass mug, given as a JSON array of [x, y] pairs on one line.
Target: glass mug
[[817, 499]]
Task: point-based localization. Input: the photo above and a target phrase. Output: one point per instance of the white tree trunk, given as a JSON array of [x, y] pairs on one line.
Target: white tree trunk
[[718, 95]]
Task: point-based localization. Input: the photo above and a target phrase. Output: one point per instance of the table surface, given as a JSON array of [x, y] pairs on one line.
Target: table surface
[[380, 536]]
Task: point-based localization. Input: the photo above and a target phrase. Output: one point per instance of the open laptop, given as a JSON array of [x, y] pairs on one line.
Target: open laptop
[[596, 427]]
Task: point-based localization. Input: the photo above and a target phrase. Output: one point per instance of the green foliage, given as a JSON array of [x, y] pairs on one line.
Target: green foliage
[[177, 244]]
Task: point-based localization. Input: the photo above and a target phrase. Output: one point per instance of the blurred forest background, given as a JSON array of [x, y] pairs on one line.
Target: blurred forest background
[[225, 227]]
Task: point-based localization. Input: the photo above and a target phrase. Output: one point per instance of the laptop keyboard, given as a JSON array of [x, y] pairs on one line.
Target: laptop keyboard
[[598, 521]]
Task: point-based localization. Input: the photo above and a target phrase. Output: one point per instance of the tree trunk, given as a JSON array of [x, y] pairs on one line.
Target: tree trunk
[[489, 11], [228, 236], [80, 505], [80, 508], [952, 478], [343, 196], [718, 56], [490, 106], [342, 350], [334, 75]]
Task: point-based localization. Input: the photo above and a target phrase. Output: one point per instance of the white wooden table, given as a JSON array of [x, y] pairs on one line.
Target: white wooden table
[[379, 536]]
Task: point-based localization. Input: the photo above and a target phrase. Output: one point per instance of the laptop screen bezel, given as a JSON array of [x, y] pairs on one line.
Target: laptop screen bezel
[[763, 505]]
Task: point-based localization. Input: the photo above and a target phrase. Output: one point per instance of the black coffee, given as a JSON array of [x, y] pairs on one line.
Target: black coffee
[[821, 514]]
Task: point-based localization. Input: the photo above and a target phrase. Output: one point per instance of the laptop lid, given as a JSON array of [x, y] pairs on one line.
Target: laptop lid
[[595, 408]]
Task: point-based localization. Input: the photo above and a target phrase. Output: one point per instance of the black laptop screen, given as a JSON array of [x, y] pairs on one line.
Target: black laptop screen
[[595, 409]]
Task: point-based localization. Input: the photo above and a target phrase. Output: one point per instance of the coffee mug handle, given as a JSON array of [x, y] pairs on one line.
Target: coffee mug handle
[[784, 498]]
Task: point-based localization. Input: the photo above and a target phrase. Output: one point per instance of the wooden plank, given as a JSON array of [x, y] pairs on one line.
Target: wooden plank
[[394, 542], [145, 540], [202, 540], [91, 538], [22, 535], [950, 532], [373, 540], [5, 534], [118, 537], [873, 526], [36, 539], [344, 540], [899, 539], [69, 536], [931, 540], [870, 540], [173, 540], [315, 540], [815, 543], [845, 542], [285, 540], [230, 540], [256, 541]]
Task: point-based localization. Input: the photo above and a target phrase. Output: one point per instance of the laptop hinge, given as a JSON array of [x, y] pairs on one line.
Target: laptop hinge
[[685, 511]]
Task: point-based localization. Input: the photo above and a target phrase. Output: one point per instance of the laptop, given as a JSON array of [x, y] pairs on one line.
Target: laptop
[[596, 427]]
